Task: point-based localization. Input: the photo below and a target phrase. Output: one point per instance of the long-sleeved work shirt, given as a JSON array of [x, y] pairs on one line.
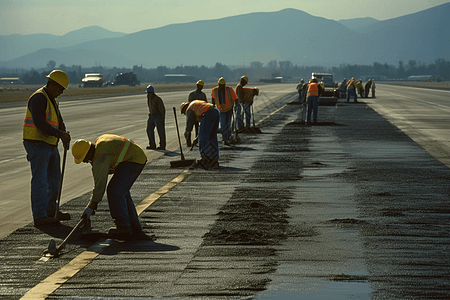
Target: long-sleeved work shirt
[[197, 95], [156, 106]]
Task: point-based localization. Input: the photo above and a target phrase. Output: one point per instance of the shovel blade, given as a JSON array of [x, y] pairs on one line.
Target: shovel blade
[[52, 247], [181, 163]]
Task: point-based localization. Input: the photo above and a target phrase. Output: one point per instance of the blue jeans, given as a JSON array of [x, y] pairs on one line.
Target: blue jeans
[[247, 113], [158, 122], [238, 116], [207, 135], [45, 177], [121, 206], [351, 92], [225, 124], [312, 102]]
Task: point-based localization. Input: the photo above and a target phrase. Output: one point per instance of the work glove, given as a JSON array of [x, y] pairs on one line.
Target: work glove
[[89, 210]]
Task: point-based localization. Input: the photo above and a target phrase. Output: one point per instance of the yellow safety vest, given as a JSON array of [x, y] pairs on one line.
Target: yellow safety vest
[[123, 150], [31, 132]]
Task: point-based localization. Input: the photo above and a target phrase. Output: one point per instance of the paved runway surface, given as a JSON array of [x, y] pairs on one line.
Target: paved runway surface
[[350, 208]]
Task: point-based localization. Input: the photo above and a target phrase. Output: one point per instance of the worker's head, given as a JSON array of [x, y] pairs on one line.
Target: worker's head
[[150, 89], [244, 80], [200, 85], [314, 79], [183, 107], [57, 82], [301, 81], [80, 149], [222, 81]]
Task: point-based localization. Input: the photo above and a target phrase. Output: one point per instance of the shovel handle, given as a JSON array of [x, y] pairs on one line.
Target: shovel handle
[[178, 132]]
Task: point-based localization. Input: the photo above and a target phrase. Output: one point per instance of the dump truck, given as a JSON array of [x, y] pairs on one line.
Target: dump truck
[[93, 80], [128, 78]]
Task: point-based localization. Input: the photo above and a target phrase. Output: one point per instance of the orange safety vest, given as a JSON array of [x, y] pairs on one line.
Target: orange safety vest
[[313, 89], [31, 132], [230, 97], [351, 84], [121, 147], [247, 93], [199, 107]]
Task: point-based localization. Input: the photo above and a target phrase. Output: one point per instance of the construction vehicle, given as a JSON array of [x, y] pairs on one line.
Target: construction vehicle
[[330, 91], [93, 80], [129, 78]]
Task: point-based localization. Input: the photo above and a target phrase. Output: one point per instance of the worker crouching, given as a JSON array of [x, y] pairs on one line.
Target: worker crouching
[[208, 116], [114, 154]]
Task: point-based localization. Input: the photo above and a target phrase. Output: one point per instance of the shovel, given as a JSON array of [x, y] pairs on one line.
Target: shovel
[[54, 251], [183, 162], [61, 182]]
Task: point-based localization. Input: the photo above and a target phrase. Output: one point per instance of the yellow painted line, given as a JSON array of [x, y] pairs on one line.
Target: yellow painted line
[[47, 286]]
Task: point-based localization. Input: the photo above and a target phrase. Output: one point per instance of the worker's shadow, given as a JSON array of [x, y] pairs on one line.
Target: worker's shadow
[[138, 246]]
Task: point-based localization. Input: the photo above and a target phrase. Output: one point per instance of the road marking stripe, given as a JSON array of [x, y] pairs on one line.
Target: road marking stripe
[[47, 286]]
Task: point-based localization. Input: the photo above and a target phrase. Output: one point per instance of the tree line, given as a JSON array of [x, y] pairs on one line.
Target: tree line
[[256, 71]]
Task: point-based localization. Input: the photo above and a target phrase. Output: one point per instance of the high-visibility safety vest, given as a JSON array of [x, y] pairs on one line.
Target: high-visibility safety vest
[[31, 132], [246, 93], [230, 97], [199, 107], [122, 149], [351, 84], [313, 89]]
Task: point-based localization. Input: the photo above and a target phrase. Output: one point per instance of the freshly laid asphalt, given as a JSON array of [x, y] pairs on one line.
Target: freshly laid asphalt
[[349, 208]]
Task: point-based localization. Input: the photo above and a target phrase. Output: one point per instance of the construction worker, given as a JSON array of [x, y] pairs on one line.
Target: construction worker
[[367, 87], [245, 98], [197, 94], [351, 87], [312, 99], [43, 127], [156, 118], [360, 88], [208, 116], [373, 89], [300, 89], [224, 98], [238, 106], [114, 154]]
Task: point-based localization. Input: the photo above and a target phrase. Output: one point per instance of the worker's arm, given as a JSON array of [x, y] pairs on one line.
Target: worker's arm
[[190, 122], [37, 106], [100, 170]]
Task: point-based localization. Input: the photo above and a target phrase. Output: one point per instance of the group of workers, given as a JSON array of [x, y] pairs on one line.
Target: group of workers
[[355, 87], [226, 105], [114, 154]]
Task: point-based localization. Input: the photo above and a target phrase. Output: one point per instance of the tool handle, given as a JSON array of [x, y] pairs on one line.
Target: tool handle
[[178, 132]]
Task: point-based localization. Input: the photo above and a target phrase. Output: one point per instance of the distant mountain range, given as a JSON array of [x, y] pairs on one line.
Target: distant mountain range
[[286, 35]]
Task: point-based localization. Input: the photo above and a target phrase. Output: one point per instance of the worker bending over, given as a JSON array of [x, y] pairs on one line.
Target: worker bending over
[[224, 98], [208, 116], [114, 154], [245, 98]]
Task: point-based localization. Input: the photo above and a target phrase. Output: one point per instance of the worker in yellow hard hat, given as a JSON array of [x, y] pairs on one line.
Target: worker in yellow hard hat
[[312, 99], [245, 98], [43, 127], [224, 98], [197, 94], [120, 156]]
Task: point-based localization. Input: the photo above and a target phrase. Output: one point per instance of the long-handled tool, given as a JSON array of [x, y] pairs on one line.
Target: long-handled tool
[[61, 182], [183, 162], [54, 251], [254, 129]]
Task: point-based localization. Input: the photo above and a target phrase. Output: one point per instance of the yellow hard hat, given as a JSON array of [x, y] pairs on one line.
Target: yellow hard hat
[[200, 82], [221, 81], [183, 106], [59, 77], [245, 78], [80, 149]]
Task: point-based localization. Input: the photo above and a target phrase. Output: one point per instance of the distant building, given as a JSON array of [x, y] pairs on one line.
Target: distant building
[[423, 78], [179, 78], [10, 80]]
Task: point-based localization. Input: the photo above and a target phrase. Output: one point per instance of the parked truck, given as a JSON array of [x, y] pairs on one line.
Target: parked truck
[[93, 80]]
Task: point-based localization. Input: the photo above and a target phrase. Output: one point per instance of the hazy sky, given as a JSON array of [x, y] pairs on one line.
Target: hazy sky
[[61, 16]]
